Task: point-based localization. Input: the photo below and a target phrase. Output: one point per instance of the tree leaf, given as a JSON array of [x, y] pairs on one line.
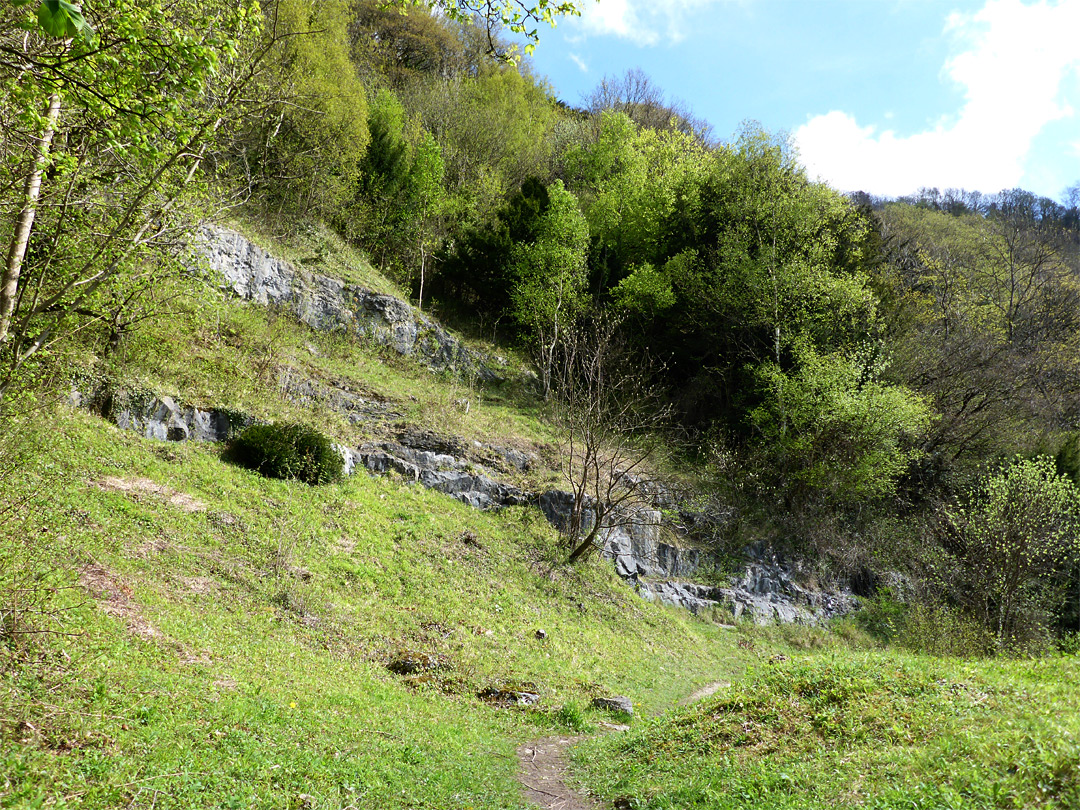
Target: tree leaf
[[53, 19]]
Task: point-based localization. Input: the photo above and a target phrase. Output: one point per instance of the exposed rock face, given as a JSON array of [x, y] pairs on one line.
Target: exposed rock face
[[636, 545], [448, 474], [329, 304], [161, 417], [766, 593], [355, 407]]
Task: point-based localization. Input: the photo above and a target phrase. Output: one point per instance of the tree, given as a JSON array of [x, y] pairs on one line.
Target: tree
[[492, 130], [834, 430], [1013, 537], [300, 149], [644, 103], [629, 181], [982, 317], [478, 271], [609, 417], [550, 290], [103, 136], [400, 199], [519, 17]]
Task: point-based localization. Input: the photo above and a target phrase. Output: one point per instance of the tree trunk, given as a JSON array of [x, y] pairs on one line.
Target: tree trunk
[[9, 287]]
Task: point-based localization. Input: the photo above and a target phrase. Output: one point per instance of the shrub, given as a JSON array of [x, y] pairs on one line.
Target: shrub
[[1015, 538], [944, 631], [287, 451]]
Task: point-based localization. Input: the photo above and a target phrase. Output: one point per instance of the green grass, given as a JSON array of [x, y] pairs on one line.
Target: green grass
[[237, 655], [846, 728], [211, 350]]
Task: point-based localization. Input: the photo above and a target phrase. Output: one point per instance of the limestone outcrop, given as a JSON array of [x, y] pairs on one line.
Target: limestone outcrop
[[329, 304]]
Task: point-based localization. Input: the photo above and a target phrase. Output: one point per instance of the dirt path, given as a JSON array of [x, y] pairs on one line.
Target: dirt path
[[543, 775], [544, 768]]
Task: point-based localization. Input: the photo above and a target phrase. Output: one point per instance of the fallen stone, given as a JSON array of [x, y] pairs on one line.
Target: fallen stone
[[521, 695], [617, 703], [413, 662]]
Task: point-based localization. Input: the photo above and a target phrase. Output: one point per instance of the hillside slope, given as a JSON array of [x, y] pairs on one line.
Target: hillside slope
[[182, 632]]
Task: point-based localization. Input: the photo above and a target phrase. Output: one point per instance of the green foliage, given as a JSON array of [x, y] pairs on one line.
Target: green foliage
[[982, 318], [479, 271], [645, 291], [882, 730], [59, 18], [1068, 458], [515, 16], [925, 627], [287, 451], [630, 181], [1013, 535], [397, 210], [750, 283], [550, 276], [834, 426], [303, 152], [492, 130], [101, 152]]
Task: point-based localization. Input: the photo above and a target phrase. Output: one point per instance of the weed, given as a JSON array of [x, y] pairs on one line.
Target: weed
[[571, 717]]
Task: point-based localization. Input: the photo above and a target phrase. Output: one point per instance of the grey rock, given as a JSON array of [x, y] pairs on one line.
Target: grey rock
[[617, 703], [329, 304], [767, 593], [163, 418], [356, 408], [441, 472], [509, 695]]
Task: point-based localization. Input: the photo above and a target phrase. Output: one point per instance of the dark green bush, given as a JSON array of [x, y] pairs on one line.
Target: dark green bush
[[287, 451]]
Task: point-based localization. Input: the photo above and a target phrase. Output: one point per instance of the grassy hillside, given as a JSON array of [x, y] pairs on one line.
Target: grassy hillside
[[217, 639], [179, 632], [846, 730]]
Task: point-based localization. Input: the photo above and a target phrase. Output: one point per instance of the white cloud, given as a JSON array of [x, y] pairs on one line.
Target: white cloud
[[577, 60], [1013, 62], [643, 22]]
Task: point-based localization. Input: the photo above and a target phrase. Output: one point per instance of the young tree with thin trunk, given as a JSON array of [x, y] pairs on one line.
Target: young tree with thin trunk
[[608, 414], [103, 133]]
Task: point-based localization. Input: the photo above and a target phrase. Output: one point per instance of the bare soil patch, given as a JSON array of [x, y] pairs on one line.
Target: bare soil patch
[[114, 598], [543, 775], [144, 486], [708, 690], [544, 769]]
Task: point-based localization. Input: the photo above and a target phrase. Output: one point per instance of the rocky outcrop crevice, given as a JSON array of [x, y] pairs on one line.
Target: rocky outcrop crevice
[[451, 475], [358, 408], [767, 593], [329, 304]]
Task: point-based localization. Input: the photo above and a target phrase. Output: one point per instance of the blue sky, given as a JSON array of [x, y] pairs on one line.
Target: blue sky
[[881, 95]]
